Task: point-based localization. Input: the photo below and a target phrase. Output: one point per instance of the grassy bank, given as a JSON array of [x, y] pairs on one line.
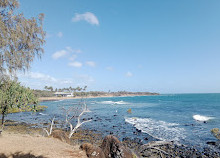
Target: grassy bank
[[27, 109]]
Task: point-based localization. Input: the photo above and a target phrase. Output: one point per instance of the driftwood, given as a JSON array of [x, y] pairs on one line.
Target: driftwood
[[51, 128]]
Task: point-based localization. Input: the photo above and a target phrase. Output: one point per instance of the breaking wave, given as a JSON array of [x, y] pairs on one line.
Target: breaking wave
[[202, 118], [42, 114], [112, 102], [158, 129]]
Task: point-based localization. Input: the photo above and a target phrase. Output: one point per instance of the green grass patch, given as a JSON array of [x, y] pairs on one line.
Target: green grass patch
[[27, 109]]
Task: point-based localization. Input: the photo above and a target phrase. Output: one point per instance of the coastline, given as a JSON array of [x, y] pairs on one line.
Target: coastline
[[32, 139], [43, 99]]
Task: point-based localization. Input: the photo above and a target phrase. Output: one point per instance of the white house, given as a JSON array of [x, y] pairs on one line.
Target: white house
[[64, 94]]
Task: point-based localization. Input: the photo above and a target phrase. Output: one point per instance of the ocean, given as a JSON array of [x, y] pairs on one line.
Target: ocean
[[183, 118]]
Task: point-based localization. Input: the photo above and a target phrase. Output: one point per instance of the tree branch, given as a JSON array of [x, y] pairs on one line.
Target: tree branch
[[51, 128]]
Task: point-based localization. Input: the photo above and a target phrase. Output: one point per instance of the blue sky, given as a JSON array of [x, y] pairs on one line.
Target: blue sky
[[146, 45]]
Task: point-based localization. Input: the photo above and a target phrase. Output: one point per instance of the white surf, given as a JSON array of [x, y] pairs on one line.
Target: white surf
[[158, 129], [201, 118]]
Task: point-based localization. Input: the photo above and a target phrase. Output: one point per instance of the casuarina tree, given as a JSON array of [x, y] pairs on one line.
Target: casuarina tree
[[21, 39]]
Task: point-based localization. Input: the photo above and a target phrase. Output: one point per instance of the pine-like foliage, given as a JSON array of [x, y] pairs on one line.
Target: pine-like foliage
[[21, 39]]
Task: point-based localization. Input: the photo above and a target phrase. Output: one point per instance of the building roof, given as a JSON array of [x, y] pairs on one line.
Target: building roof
[[63, 93]]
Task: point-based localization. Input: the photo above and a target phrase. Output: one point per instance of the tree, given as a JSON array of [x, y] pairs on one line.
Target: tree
[[21, 39], [45, 87], [76, 114], [13, 95], [50, 88]]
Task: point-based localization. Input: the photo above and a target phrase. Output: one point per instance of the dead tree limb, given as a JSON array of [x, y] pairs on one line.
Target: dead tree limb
[[79, 123], [75, 115], [51, 128]]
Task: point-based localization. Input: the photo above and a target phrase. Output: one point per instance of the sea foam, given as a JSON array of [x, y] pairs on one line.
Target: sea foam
[[159, 129], [201, 118], [42, 114], [112, 102]]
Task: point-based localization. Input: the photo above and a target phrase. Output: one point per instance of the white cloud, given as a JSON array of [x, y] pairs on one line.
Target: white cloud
[[109, 68], [75, 64], [60, 34], [67, 51], [128, 74], [77, 51], [73, 57], [37, 80], [38, 76], [59, 54], [91, 63], [88, 16]]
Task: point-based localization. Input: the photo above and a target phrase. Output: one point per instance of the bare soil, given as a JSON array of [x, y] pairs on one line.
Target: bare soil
[[23, 145]]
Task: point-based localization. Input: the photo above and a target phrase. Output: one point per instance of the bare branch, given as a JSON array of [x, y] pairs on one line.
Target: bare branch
[[46, 131], [77, 114], [76, 127], [51, 128]]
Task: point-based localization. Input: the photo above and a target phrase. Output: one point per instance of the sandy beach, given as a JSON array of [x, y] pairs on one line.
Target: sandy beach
[[65, 98], [78, 97], [36, 146]]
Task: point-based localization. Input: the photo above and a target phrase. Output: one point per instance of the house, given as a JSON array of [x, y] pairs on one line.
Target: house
[[64, 94]]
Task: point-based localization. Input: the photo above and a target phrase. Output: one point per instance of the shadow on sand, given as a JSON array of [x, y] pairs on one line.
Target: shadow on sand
[[20, 155]]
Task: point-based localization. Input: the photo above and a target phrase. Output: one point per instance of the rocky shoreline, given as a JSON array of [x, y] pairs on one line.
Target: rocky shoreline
[[152, 149]]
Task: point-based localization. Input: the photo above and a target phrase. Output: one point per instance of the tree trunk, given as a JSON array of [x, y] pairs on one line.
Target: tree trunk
[[3, 119], [3, 116]]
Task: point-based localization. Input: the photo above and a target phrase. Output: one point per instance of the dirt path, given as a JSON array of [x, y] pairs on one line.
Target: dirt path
[[21, 145]]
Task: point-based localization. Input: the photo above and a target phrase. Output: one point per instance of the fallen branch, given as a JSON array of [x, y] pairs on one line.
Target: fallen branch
[[51, 128]]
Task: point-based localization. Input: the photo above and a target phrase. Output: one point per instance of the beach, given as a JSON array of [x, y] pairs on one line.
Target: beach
[[13, 145], [42, 99]]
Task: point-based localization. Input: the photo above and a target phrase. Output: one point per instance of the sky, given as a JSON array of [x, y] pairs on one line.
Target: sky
[[146, 45]]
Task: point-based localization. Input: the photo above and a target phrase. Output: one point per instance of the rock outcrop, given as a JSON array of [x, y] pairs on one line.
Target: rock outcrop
[[216, 133], [113, 148], [92, 151]]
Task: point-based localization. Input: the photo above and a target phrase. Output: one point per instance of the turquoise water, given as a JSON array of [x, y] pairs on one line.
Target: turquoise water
[[184, 118]]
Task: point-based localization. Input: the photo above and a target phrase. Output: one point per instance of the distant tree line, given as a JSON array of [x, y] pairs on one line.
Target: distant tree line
[[49, 91], [81, 91], [68, 89]]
